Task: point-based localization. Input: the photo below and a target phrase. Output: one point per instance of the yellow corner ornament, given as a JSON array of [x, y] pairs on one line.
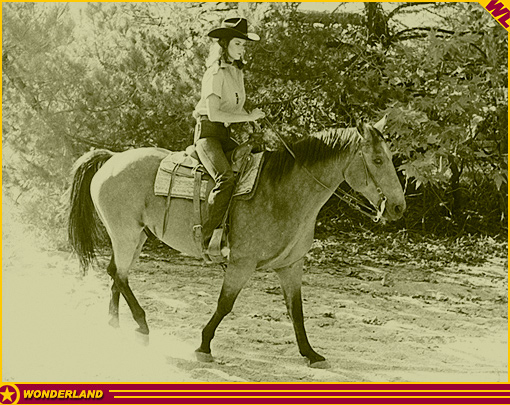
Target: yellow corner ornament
[[9, 394], [499, 10]]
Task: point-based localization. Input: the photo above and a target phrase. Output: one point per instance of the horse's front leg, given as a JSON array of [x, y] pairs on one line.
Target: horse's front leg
[[290, 279], [234, 280]]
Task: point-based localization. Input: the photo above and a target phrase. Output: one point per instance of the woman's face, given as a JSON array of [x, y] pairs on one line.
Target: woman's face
[[235, 50]]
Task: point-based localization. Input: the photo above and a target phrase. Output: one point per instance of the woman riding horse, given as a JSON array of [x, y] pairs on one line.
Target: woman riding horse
[[221, 104], [272, 230]]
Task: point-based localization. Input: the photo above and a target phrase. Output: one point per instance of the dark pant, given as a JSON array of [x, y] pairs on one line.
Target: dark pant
[[211, 151]]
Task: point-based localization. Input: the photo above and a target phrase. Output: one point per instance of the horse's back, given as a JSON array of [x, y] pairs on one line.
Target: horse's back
[[125, 169], [122, 185], [135, 158]]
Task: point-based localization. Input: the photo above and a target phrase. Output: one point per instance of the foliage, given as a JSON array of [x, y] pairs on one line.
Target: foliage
[[36, 148], [117, 76], [448, 118], [444, 92]]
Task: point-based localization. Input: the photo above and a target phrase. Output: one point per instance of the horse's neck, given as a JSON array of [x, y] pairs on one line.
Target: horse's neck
[[328, 174], [314, 185]]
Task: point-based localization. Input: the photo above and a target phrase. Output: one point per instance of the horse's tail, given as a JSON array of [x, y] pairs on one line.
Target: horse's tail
[[83, 227]]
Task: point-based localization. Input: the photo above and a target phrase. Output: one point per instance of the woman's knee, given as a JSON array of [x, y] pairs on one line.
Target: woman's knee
[[226, 178]]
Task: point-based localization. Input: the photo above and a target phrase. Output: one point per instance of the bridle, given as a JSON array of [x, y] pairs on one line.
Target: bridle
[[382, 198], [375, 213]]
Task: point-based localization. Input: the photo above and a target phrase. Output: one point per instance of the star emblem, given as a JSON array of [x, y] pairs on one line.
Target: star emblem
[[9, 394]]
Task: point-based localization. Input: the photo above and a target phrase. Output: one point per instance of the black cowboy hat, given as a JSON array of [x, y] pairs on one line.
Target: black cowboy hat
[[234, 28]]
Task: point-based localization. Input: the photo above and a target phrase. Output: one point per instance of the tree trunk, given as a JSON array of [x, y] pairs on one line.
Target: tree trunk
[[456, 194], [377, 23]]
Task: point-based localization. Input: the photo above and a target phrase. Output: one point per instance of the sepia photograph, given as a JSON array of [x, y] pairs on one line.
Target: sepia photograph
[[254, 192]]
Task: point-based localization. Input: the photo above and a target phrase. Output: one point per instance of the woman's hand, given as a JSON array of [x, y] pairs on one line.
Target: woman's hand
[[257, 114]]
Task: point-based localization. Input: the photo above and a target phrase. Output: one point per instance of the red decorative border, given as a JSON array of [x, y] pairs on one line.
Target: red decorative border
[[285, 393], [255, 393]]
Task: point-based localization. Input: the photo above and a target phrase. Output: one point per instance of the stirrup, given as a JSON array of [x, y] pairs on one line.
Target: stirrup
[[214, 251]]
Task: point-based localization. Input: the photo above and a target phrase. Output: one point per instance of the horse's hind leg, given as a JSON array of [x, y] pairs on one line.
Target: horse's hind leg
[[115, 295], [290, 279], [124, 255]]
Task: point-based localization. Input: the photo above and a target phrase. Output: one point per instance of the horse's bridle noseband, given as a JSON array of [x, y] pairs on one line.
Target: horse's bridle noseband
[[382, 198]]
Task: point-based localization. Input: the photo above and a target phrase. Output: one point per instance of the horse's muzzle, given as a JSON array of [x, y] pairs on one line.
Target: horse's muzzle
[[395, 211]]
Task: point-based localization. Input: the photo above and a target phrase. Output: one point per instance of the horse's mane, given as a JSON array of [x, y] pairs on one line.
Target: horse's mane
[[309, 150]]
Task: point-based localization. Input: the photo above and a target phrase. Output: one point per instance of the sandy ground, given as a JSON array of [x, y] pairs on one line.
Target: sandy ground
[[391, 324]]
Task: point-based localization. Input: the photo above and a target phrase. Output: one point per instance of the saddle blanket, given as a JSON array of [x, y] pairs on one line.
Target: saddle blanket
[[176, 175]]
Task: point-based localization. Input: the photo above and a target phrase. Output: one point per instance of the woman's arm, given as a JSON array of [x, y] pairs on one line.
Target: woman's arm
[[216, 115]]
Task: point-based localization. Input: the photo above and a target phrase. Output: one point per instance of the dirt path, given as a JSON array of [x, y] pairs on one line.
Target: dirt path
[[389, 324]]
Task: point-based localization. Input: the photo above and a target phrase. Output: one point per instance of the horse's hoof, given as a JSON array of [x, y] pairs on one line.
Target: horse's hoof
[[323, 364], [114, 323], [204, 357], [142, 338]]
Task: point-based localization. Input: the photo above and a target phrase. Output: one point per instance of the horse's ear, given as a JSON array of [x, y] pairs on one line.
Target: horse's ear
[[360, 126], [381, 123]]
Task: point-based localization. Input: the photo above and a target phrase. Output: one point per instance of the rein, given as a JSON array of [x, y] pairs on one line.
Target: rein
[[349, 199]]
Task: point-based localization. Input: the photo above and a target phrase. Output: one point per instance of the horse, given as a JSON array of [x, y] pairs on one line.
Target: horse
[[272, 230]]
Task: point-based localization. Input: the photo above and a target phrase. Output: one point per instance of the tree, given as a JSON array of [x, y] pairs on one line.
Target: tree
[[443, 87], [36, 141], [127, 75], [450, 94]]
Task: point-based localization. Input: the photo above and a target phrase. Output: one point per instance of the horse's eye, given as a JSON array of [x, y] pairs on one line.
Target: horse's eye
[[378, 161]]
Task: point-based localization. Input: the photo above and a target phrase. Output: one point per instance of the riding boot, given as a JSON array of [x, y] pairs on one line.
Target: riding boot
[[213, 158]]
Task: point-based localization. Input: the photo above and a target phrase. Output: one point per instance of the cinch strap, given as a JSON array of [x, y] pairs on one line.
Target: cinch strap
[[169, 197], [197, 228]]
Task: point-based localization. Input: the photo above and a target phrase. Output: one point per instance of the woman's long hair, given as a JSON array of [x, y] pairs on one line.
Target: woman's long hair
[[219, 51]]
